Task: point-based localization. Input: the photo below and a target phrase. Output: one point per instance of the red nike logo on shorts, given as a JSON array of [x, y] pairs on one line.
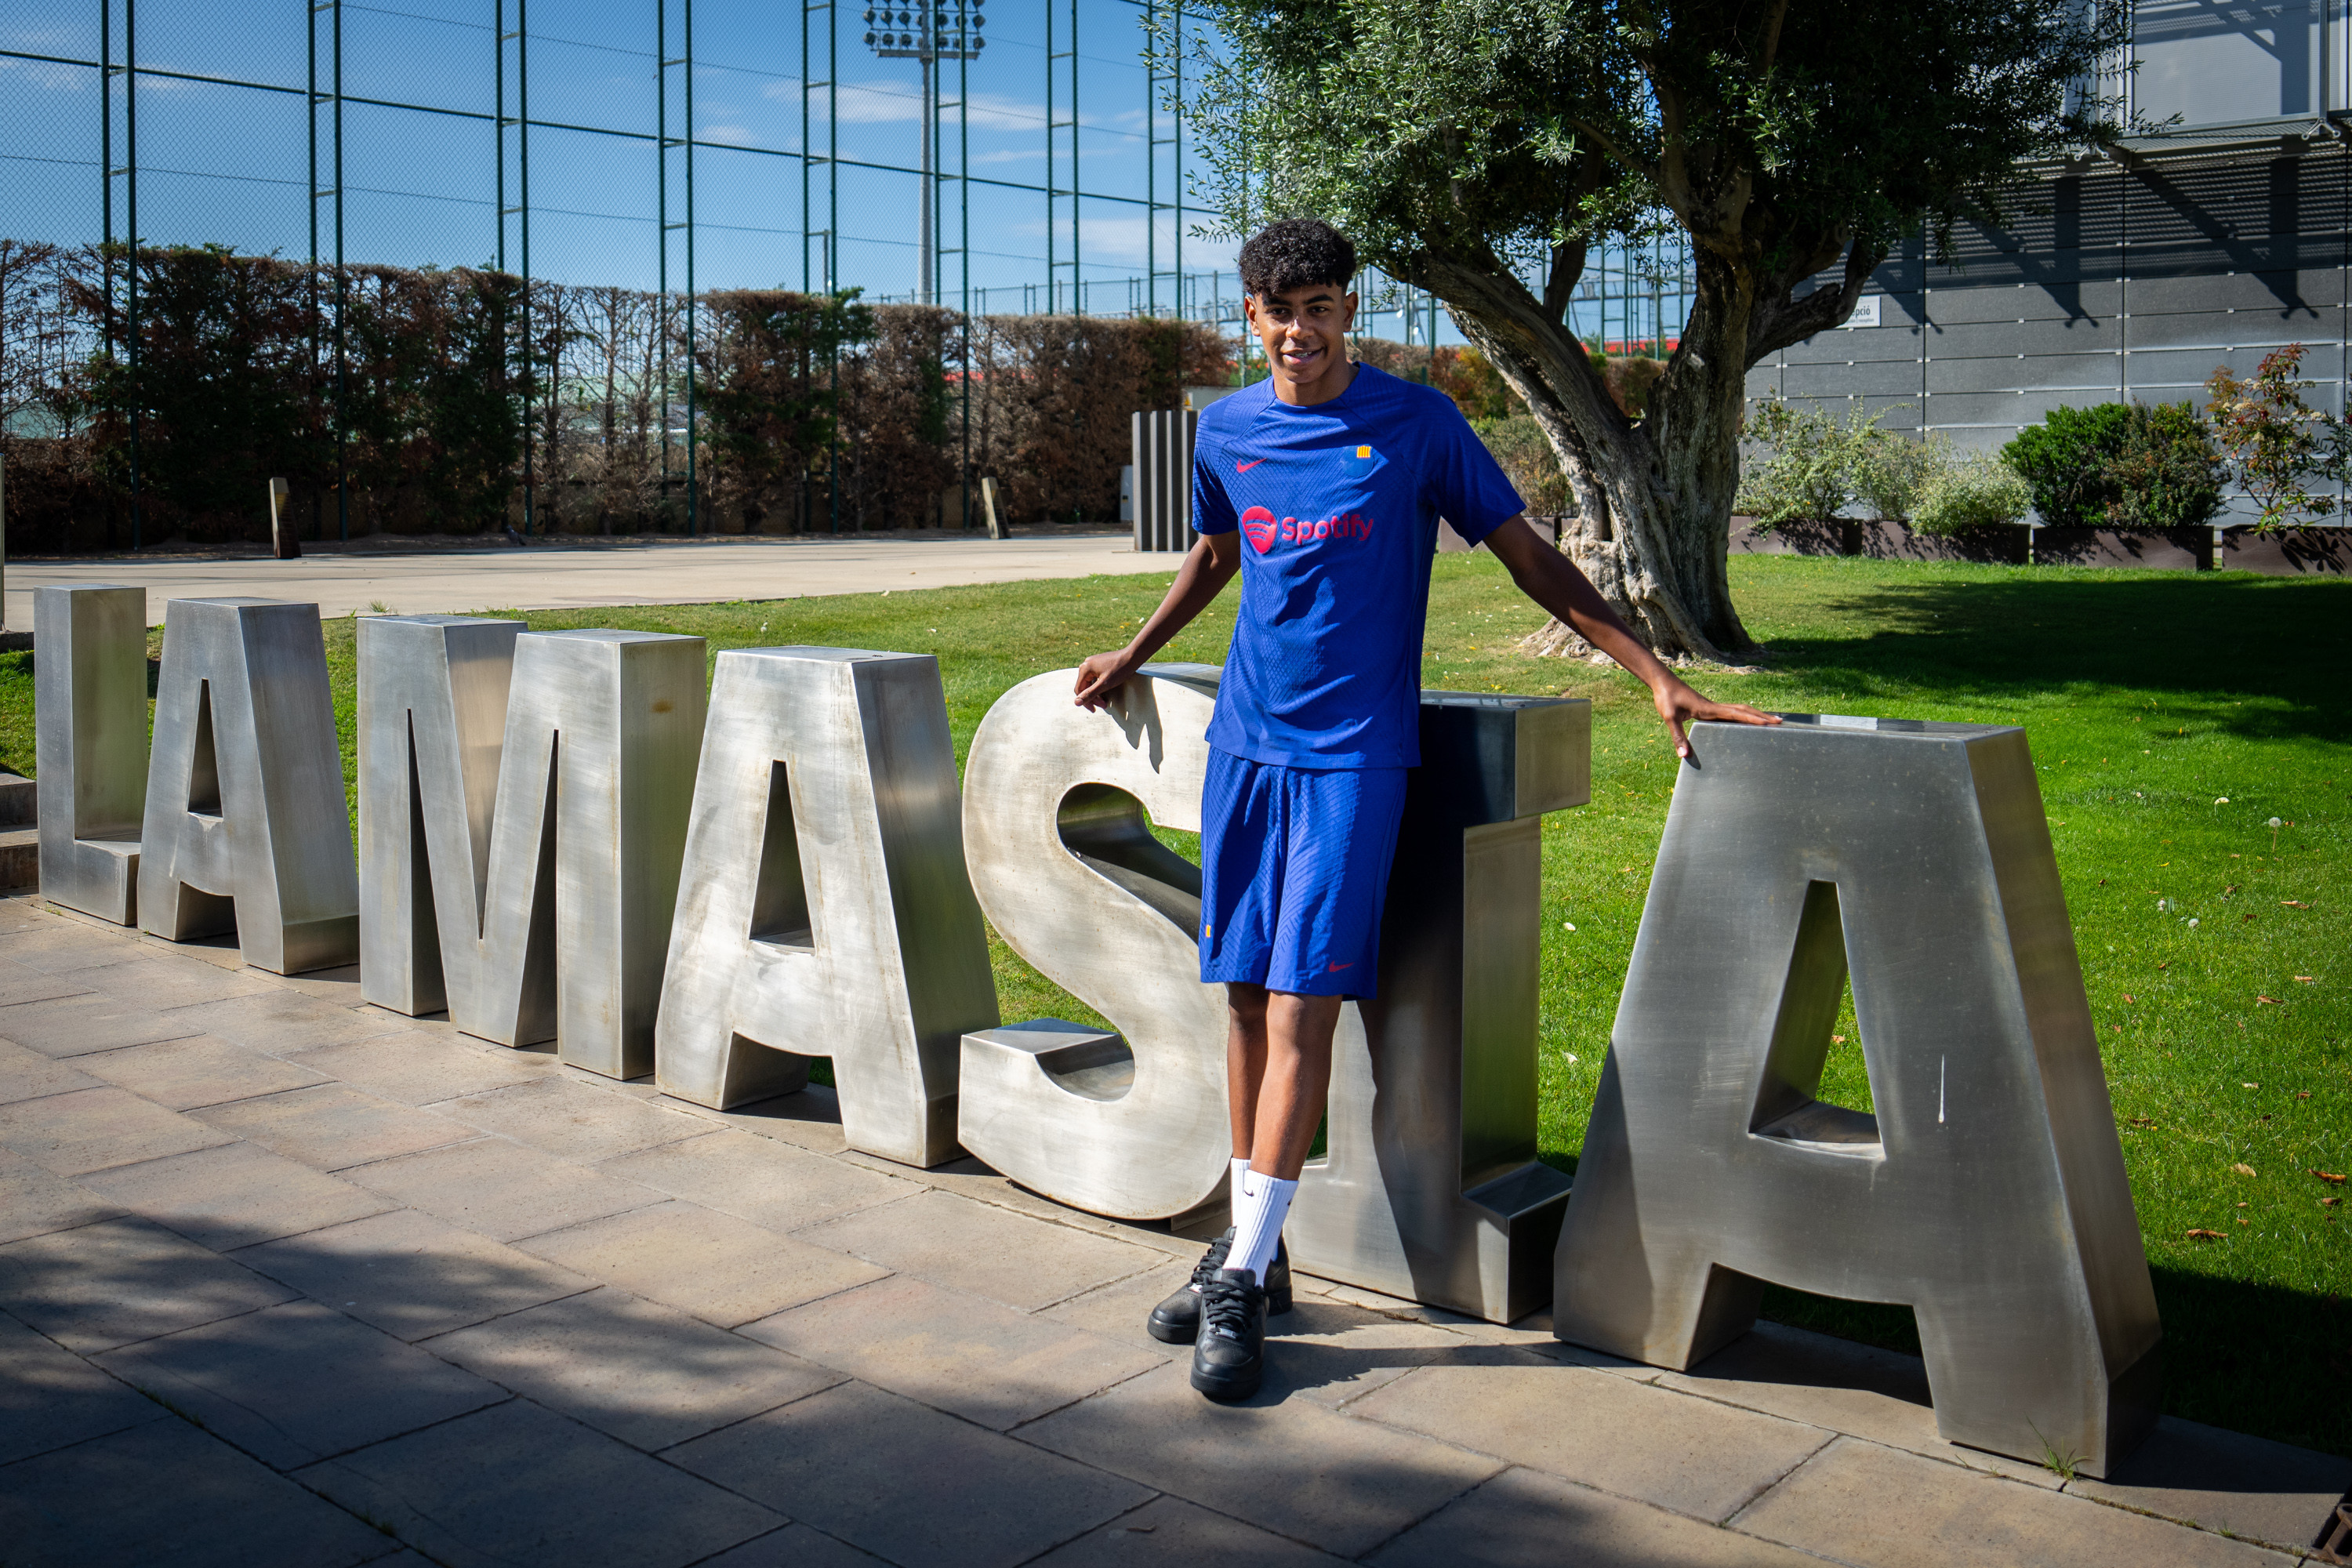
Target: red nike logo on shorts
[[1337, 967], [1245, 468]]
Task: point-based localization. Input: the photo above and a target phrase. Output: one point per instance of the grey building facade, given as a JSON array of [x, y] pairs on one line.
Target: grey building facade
[[2129, 275]]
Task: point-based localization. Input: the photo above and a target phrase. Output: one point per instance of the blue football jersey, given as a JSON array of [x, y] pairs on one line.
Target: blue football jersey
[[1338, 507]]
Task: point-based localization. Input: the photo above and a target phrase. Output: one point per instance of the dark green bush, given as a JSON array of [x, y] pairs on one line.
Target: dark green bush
[[2170, 472], [2121, 465], [2068, 462]]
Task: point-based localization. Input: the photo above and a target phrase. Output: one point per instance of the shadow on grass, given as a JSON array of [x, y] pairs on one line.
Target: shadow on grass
[[1985, 638]]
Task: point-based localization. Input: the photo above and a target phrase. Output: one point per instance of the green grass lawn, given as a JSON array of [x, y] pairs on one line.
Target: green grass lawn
[[2148, 698]]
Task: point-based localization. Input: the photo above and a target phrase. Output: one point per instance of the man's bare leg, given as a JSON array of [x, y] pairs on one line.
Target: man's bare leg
[[1245, 1062], [1296, 1075]]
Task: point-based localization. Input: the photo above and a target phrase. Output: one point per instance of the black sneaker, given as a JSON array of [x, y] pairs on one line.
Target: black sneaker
[[1230, 1357], [1177, 1320]]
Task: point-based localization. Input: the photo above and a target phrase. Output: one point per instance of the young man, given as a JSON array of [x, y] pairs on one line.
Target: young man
[[1322, 487]]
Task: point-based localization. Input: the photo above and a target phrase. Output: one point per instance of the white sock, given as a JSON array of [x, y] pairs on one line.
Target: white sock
[[1238, 1183], [1257, 1224]]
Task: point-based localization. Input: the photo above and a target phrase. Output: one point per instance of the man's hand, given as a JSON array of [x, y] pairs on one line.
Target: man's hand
[[1208, 566], [1103, 674], [1679, 705]]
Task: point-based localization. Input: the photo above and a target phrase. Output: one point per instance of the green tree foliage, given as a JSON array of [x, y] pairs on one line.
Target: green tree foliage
[[2277, 446], [1478, 148], [1975, 492], [2068, 462]]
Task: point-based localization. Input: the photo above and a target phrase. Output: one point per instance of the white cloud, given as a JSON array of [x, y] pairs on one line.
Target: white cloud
[[885, 102]]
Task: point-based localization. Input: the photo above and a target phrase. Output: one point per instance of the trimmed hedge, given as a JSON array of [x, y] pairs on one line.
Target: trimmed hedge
[[472, 401]]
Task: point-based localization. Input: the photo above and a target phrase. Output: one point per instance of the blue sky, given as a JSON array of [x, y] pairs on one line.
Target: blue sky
[[228, 164]]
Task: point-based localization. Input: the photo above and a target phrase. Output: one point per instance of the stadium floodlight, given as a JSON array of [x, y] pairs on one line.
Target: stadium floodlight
[[939, 30]]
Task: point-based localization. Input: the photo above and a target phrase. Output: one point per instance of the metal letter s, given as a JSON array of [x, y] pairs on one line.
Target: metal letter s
[[825, 910], [1066, 868], [1988, 1192]]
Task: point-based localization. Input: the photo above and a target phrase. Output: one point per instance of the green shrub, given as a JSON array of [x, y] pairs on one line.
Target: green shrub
[[1805, 469], [2120, 464], [1974, 492], [2068, 462], [1526, 460], [1890, 471], [2168, 473]]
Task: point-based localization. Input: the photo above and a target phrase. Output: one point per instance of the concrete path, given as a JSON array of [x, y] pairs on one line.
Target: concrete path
[[669, 572], [383, 1287]]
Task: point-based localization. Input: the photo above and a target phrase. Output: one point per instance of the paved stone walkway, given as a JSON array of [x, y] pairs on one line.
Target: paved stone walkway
[[547, 577], [290, 1279]]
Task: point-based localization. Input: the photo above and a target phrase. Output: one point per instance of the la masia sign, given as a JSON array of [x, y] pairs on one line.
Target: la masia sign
[[563, 835]]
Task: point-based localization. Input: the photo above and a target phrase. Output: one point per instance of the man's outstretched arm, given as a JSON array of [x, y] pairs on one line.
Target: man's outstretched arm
[[1552, 581], [1208, 566]]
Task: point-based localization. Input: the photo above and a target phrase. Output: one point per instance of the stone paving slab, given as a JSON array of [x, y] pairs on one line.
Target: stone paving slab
[[416, 1068], [969, 1246], [647, 1375], [200, 1070], [722, 1269], [909, 1483], [1180, 1534], [71, 1025], [559, 1338], [567, 1119], [90, 1128], [234, 1196], [1696, 1457], [29, 1074], [165, 1492], [503, 1190], [1858, 1502], [297, 1382], [99, 1286], [963, 1354], [334, 1126], [795, 1546], [1284, 1464], [1519, 1519], [51, 1398], [517, 1484], [34, 1202], [764, 1179], [1839, 1387], [411, 1275], [2226, 1480]]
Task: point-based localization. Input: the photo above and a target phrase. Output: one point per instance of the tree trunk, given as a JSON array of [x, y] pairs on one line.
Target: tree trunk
[[1654, 496]]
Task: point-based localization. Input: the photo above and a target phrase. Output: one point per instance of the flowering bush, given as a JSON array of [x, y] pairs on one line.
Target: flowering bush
[[2275, 445]]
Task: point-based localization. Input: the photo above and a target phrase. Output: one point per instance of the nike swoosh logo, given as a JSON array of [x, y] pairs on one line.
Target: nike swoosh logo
[[1337, 967], [1245, 468]]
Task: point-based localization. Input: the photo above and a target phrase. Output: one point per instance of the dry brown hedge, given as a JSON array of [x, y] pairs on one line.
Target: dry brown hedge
[[471, 402]]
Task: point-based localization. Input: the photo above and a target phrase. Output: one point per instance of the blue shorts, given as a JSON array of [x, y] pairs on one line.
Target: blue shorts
[[1294, 872]]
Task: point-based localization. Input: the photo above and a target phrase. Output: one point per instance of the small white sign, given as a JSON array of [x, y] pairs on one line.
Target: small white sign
[[1865, 313]]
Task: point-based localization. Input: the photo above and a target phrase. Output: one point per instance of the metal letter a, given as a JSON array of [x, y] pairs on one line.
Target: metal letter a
[[1988, 1192]]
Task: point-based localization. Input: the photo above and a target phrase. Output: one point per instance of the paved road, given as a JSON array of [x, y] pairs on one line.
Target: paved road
[[539, 577]]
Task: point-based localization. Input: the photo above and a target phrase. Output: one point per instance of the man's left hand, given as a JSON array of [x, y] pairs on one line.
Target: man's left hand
[[1678, 705]]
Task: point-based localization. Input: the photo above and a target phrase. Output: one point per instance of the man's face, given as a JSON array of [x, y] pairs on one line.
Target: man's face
[[1305, 333]]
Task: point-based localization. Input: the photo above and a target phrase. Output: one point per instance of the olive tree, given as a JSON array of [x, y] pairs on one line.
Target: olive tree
[[1482, 149]]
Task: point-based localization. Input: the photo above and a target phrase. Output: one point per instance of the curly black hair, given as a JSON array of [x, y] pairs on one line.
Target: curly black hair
[[1296, 253]]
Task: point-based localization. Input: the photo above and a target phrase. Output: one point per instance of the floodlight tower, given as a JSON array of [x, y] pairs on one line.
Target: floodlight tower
[[933, 31]]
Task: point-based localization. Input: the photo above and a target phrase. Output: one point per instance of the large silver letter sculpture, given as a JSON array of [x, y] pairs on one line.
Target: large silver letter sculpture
[[523, 798], [826, 910], [1067, 867], [1432, 1190], [247, 827], [89, 718], [1989, 1189]]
